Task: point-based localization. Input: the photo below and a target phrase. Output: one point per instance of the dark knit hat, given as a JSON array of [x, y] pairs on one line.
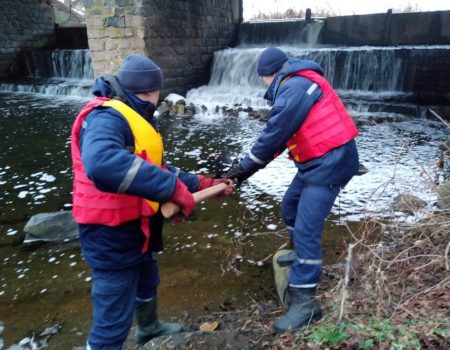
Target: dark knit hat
[[271, 61], [140, 74]]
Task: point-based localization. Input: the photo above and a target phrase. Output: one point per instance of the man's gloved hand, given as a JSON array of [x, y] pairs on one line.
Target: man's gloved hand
[[184, 199], [238, 174], [206, 182]]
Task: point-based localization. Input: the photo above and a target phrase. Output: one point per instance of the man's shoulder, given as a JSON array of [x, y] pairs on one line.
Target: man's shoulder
[[105, 115]]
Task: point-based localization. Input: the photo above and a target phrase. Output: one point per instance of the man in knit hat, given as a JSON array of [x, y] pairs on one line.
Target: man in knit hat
[[120, 180], [309, 120]]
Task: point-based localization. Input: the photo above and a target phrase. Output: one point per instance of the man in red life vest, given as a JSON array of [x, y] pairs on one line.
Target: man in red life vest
[[120, 179], [309, 120]]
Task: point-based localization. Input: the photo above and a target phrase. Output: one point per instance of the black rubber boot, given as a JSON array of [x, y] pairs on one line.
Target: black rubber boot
[[303, 308], [148, 325], [286, 260]]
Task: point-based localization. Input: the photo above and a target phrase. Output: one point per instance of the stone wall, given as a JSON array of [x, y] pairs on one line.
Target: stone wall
[[24, 25], [420, 28], [180, 36]]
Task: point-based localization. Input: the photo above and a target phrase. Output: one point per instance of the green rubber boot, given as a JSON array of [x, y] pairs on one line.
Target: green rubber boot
[[148, 325], [304, 308]]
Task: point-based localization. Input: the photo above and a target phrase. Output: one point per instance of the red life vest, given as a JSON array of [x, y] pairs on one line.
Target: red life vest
[[327, 125], [92, 206]]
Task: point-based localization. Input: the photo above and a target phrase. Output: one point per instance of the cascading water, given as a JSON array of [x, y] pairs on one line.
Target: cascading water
[[375, 83], [367, 78], [55, 73]]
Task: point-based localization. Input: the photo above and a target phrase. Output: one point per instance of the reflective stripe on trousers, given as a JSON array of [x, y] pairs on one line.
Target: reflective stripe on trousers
[[115, 294], [306, 207]]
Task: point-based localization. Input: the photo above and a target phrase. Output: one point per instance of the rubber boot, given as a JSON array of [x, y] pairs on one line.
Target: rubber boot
[[303, 309], [148, 325], [286, 260]]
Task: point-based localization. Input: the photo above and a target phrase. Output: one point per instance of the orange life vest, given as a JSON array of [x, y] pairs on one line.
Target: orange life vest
[[327, 125], [92, 206]]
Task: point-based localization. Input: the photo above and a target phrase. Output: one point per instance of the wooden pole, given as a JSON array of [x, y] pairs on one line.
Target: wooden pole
[[169, 209]]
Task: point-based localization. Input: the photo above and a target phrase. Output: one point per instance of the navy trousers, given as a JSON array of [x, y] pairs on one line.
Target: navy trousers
[[115, 294], [304, 209]]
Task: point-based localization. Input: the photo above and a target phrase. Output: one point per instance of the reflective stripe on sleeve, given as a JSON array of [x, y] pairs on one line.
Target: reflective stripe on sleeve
[[256, 159], [129, 177], [311, 89]]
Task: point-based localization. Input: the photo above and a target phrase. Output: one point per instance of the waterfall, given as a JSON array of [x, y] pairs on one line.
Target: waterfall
[[55, 73], [363, 76], [74, 64]]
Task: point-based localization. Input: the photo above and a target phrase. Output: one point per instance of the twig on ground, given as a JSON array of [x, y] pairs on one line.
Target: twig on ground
[[346, 280], [447, 267]]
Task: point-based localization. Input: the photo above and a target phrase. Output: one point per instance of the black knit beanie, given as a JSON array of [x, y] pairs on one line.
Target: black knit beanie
[[140, 74], [271, 61]]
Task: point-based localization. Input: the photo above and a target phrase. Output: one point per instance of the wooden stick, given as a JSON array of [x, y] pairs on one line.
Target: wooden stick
[[169, 209]]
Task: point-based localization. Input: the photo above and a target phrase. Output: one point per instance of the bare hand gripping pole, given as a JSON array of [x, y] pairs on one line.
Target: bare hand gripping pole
[[170, 209]]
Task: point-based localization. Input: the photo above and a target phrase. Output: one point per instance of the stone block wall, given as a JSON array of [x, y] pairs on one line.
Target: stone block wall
[[24, 25], [180, 36]]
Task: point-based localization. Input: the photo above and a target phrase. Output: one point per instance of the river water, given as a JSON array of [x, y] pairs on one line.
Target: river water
[[212, 262]]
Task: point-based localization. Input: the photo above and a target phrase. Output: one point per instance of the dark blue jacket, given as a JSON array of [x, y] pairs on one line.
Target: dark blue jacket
[[107, 146], [291, 102]]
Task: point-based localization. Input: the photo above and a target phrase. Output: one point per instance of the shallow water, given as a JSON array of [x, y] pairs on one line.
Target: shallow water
[[49, 285]]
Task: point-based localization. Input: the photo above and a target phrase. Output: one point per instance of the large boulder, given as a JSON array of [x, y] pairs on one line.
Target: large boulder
[[56, 227]]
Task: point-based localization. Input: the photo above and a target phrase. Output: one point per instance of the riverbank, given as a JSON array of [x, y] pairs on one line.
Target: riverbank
[[392, 292]]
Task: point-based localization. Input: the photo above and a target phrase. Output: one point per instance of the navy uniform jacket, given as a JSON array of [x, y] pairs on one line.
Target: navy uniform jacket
[[291, 102], [107, 146]]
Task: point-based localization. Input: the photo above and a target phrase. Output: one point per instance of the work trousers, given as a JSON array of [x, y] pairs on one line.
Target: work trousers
[[304, 209], [115, 294]]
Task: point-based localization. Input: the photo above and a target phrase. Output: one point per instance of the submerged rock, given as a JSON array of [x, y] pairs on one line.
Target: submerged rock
[[408, 202], [362, 169], [51, 227]]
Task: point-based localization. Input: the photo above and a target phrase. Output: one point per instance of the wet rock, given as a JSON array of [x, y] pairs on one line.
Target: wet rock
[[408, 202], [254, 114], [264, 114], [362, 169], [222, 339], [190, 109], [176, 104], [232, 112], [173, 99], [180, 108], [51, 227], [163, 109]]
